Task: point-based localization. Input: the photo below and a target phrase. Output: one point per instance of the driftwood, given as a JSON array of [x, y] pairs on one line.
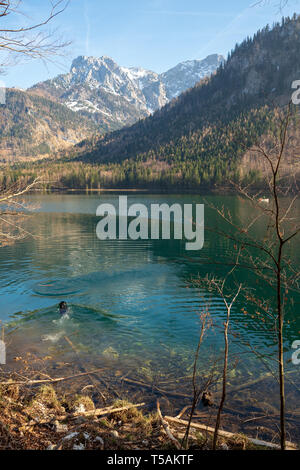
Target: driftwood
[[229, 435], [59, 379], [167, 429], [237, 388], [154, 387], [84, 414], [250, 383], [181, 413], [102, 411]]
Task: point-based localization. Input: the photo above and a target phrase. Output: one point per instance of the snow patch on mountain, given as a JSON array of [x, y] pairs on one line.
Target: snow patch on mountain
[[98, 86]]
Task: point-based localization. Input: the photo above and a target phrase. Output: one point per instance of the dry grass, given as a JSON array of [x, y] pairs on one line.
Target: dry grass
[[44, 420]]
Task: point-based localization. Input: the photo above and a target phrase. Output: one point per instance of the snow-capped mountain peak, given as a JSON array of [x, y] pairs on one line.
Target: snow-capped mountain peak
[[186, 74], [120, 95]]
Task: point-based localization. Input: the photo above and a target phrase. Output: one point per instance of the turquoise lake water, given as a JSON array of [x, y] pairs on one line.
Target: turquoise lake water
[[133, 304]]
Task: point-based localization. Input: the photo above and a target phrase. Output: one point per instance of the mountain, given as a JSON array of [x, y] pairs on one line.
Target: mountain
[[96, 96], [32, 127], [201, 137], [114, 96], [186, 74]]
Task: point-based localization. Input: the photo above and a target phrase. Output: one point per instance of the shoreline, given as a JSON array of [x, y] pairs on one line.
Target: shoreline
[[50, 420], [135, 190], [105, 382]]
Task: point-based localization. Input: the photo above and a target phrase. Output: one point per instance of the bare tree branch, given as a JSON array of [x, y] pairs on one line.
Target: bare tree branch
[[281, 216], [31, 40]]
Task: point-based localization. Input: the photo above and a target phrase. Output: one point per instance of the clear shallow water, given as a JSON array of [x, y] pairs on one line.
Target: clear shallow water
[[132, 303]]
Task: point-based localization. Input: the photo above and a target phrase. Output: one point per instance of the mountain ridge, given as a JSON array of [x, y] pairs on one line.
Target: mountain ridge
[[104, 95], [202, 135], [202, 139], [114, 96]]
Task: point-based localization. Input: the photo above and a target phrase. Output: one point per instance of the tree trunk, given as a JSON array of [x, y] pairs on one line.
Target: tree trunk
[[280, 354], [218, 420]]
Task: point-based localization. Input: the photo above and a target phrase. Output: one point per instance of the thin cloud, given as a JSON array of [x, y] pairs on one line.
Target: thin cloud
[[187, 13], [232, 26]]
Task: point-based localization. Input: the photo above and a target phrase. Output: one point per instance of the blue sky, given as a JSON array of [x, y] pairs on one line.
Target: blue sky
[[154, 34]]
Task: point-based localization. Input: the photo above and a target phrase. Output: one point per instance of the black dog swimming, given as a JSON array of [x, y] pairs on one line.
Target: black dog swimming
[[63, 308]]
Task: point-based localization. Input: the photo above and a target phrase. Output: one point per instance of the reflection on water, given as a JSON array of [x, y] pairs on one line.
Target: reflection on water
[[131, 303]]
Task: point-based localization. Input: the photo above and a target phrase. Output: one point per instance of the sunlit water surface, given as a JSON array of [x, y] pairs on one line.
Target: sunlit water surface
[[132, 304]]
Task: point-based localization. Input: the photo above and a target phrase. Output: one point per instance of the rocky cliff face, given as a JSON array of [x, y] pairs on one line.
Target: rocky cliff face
[[115, 96], [186, 74]]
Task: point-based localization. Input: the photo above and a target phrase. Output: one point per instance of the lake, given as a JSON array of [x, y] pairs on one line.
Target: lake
[[134, 308]]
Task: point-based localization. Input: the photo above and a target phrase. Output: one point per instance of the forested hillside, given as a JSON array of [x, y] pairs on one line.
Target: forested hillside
[[200, 137], [33, 127]]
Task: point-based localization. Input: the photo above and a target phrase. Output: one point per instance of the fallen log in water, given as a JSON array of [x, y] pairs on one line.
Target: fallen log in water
[[154, 387], [229, 435], [268, 375], [242, 386]]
